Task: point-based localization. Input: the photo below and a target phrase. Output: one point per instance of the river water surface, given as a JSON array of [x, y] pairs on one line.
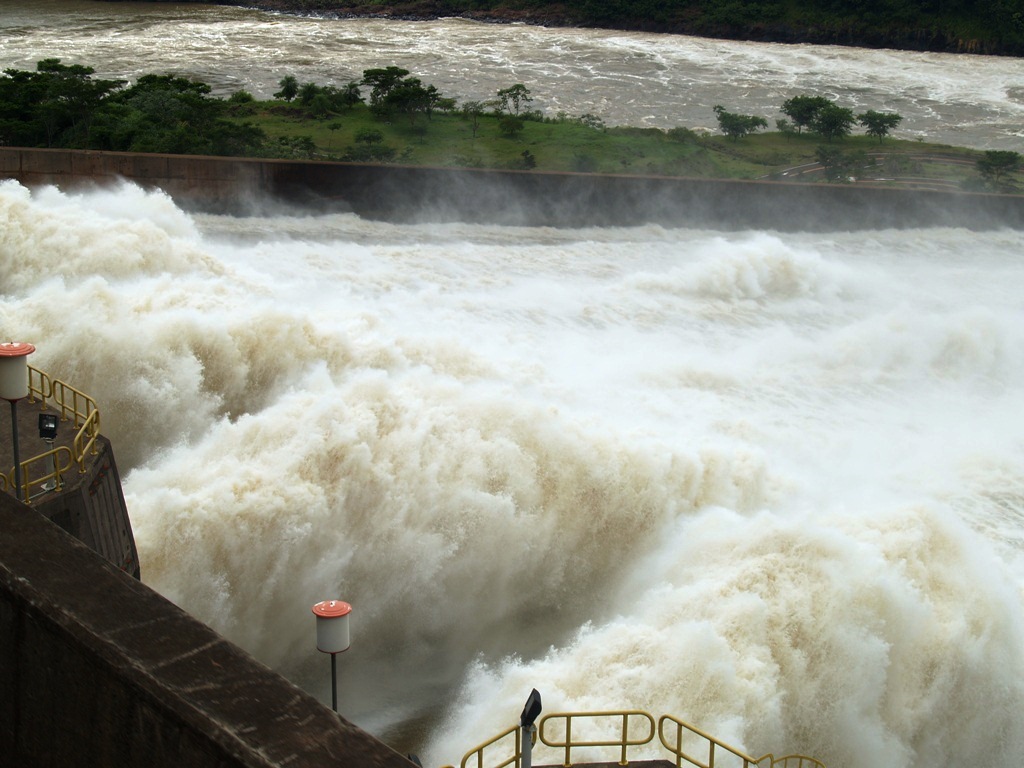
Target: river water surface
[[622, 77], [770, 483]]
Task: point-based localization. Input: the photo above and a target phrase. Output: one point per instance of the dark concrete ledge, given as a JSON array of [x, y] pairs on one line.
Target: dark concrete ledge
[[97, 669], [532, 198]]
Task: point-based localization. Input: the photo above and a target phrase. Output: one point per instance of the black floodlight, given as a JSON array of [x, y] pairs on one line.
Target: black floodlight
[[48, 426], [531, 711]]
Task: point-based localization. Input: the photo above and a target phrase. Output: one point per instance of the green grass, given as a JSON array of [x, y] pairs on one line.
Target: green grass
[[568, 145]]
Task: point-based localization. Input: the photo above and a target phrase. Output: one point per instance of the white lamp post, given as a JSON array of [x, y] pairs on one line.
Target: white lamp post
[[13, 387], [332, 636]]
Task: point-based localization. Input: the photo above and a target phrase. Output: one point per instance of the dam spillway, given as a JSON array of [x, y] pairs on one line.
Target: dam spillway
[[530, 198]]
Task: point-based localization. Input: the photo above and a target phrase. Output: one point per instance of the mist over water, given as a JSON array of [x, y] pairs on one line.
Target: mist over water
[[769, 484]]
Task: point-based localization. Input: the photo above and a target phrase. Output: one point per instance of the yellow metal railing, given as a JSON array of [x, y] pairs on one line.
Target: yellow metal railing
[[623, 740], [795, 761], [38, 473], [514, 731], [39, 386], [85, 440], [74, 406], [715, 747], [624, 721]]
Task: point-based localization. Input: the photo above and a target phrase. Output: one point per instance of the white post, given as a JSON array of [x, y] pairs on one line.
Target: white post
[[13, 387], [528, 731], [332, 636]]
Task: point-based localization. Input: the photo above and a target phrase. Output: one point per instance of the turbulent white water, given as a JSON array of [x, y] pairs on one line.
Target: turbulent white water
[[623, 77], [771, 484]]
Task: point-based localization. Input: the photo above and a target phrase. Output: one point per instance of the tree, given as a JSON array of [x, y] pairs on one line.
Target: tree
[[472, 110], [833, 122], [297, 146], [802, 110], [433, 98], [320, 106], [332, 127], [350, 95], [996, 164], [510, 125], [289, 88], [55, 106], [737, 126], [510, 99], [381, 82], [166, 113], [308, 92], [879, 123], [408, 97], [370, 146], [784, 127], [369, 136]]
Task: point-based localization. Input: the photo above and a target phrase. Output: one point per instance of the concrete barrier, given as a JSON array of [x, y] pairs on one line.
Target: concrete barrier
[[419, 194], [96, 669]]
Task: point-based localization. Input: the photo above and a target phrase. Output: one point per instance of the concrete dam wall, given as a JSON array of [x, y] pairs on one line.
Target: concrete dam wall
[[420, 194], [96, 669]]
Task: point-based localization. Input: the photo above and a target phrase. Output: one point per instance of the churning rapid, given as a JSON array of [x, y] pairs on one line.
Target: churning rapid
[[629, 78], [772, 485]]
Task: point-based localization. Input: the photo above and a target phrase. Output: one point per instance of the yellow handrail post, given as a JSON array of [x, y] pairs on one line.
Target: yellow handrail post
[[566, 762]]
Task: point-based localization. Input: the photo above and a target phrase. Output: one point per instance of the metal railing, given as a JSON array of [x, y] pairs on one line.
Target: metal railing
[[74, 404], [716, 749], [623, 741], [798, 761], [39, 386], [479, 750], [38, 472], [714, 746]]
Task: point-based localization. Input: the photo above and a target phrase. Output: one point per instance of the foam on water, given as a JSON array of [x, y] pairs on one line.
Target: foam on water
[[626, 78], [770, 484]]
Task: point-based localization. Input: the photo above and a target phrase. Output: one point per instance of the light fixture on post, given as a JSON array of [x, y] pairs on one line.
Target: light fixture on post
[[332, 636], [14, 387], [526, 722], [48, 434]]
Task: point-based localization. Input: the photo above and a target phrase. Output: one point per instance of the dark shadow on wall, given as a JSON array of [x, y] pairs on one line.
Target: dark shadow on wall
[[96, 669]]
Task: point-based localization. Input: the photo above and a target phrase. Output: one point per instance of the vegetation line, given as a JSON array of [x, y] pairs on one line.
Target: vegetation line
[[389, 115]]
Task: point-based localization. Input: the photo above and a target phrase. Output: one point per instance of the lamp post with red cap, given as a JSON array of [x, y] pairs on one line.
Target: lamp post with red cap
[[13, 387], [332, 636]]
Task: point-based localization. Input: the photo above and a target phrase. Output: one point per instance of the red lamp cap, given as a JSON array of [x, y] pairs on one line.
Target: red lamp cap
[[331, 609], [16, 349]]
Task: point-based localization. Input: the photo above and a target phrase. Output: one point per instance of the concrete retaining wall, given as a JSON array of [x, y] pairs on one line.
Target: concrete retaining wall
[[91, 508], [417, 194], [96, 669]]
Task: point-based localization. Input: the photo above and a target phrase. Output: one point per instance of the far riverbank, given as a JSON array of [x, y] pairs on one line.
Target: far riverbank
[[764, 22]]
